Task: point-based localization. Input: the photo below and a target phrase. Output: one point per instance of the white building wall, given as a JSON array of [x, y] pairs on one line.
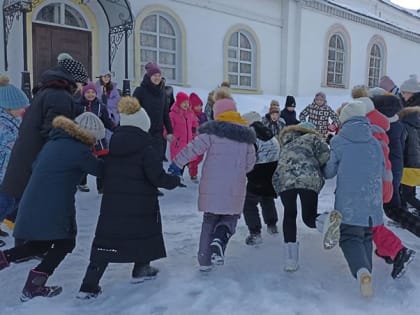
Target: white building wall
[[206, 26], [315, 25]]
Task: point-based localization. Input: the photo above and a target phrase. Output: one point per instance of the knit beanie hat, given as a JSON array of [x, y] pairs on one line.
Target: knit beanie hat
[[11, 97], [152, 68], [132, 114], [352, 109], [91, 124], [252, 117], [195, 100], [359, 91], [386, 83], [75, 68], [89, 86], [290, 101], [411, 85], [223, 105], [180, 98]]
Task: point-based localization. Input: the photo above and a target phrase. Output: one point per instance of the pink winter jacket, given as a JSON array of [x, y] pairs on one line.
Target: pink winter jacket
[[183, 123], [230, 154]]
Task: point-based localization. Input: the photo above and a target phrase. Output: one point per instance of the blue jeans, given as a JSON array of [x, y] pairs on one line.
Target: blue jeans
[[7, 205]]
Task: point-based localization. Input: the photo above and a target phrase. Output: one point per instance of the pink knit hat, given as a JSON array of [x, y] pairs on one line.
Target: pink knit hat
[[89, 86], [223, 105], [180, 98], [386, 83], [152, 68]]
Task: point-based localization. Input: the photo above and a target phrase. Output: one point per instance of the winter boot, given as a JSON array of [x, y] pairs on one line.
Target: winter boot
[[365, 281], [404, 257], [328, 223], [3, 261], [272, 229], [89, 293], [387, 259], [291, 251], [218, 245], [35, 286], [253, 239], [142, 272], [207, 268]]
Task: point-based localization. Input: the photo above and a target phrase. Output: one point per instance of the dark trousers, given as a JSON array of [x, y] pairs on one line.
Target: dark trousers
[[53, 253], [309, 202], [356, 244], [404, 217], [251, 215], [408, 195]]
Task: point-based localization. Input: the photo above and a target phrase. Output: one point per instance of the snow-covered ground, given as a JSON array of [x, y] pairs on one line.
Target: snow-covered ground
[[252, 281]]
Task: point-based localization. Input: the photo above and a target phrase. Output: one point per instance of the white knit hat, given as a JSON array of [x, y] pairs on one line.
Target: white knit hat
[[411, 85], [352, 109], [91, 124], [132, 114], [252, 117]]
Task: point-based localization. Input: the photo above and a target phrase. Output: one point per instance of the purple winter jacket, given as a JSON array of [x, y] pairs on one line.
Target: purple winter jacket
[[230, 154]]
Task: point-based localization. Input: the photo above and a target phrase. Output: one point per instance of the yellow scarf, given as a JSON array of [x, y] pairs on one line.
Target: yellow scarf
[[232, 117]]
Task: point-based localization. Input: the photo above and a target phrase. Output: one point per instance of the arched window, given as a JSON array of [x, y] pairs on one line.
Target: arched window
[[375, 66], [336, 61], [241, 60], [160, 41], [62, 14]]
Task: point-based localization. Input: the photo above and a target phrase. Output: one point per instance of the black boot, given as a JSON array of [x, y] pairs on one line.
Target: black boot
[[35, 286], [404, 257], [142, 272], [90, 286]]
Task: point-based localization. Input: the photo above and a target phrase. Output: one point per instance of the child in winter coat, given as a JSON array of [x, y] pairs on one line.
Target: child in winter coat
[[184, 123], [303, 152], [47, 215], [12, 105], [259, 189], [109, 95], [273, 120], [320, 114], [288, 113], [357, 159], [388, 245], [197, 107], [129, 227], [230, 154], [91, 103]]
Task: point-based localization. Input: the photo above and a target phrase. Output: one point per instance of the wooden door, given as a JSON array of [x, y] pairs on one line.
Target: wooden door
[[49, 41]]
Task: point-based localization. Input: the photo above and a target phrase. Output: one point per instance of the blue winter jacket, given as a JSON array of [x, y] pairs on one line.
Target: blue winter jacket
[[356, 158]]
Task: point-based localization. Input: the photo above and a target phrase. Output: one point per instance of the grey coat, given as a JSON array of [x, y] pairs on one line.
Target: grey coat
[[302, 154], [356, 158]]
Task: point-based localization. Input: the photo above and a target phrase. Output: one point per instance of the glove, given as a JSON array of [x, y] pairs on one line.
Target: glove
[[174, 170], [332, 128]]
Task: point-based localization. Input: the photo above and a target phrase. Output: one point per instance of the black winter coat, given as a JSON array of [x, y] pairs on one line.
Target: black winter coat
[[33, 132], [289, 117], [47, 210], [410, 117], [153, 99], [129, 227]]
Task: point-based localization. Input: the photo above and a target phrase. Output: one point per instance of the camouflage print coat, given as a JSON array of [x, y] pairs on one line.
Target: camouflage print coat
[[303, 152]]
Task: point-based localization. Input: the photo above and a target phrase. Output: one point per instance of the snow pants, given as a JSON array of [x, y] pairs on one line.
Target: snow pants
[[386, 242], [251, 215]]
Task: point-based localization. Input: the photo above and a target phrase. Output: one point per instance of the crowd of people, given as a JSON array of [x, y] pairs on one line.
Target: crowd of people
[[74, 127]]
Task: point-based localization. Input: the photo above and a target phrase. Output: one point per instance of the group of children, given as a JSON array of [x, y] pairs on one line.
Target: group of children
[[248, 160]]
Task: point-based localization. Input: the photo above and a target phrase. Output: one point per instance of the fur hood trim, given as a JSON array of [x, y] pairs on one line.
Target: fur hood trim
[[71, 128], [296, 129], [229, 130], [408, 110]]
